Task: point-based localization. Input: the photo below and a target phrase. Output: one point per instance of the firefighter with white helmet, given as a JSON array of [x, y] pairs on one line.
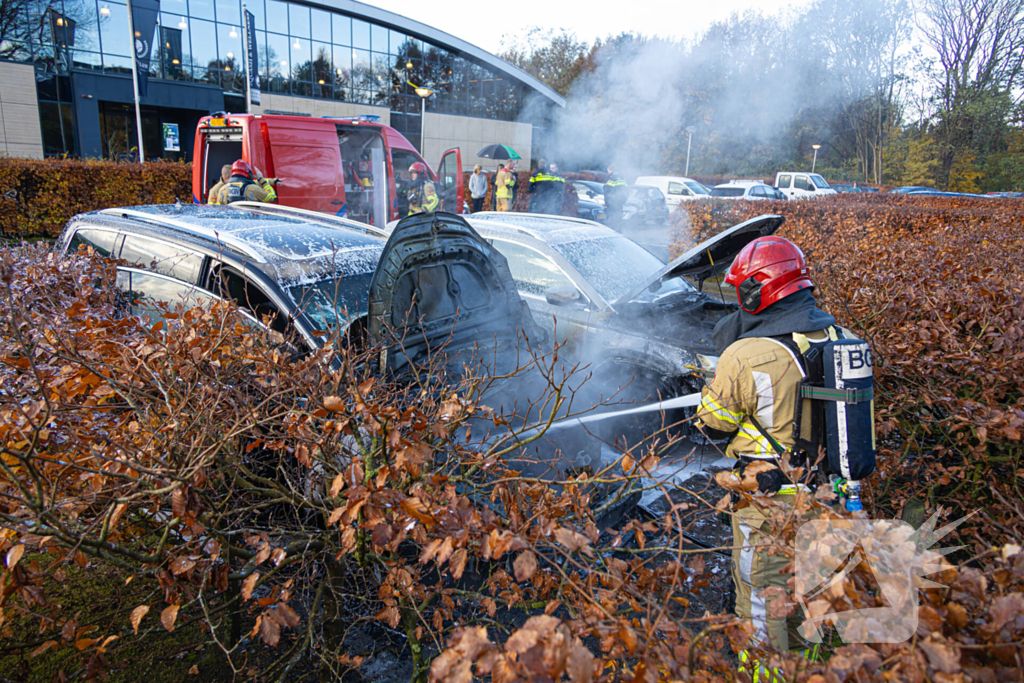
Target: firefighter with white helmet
[[775, 393]]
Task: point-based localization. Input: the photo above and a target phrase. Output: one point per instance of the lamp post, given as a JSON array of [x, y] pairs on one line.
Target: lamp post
[[815, 162], [690, 130], [424, 93]]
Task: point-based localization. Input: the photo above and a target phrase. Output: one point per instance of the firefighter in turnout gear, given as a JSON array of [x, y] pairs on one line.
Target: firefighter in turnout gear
[[615, 196], [420, 191], [547, 186], [242, 187], [754, 398], [225, 176]]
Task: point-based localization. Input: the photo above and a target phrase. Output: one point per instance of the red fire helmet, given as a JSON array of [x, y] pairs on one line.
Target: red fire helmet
[[767, 270], [418, 167], [242, 167]]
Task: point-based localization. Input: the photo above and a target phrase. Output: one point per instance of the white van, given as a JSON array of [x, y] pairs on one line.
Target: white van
[[798, 185], [675, 188]]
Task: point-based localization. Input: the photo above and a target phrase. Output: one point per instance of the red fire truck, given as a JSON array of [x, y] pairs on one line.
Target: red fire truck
[[354, 167]]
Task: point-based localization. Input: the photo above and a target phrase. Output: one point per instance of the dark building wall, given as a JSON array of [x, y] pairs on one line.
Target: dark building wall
[[181, 103]]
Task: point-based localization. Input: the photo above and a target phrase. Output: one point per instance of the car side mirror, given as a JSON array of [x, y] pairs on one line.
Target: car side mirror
[[591, 194], [810, 187], [561, 295]]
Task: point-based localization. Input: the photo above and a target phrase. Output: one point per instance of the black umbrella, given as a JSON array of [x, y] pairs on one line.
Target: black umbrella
[[498, 151]]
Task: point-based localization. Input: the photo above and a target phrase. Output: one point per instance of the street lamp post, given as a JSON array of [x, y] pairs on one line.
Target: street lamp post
[[690, 130], [815, 162], [424, 93]]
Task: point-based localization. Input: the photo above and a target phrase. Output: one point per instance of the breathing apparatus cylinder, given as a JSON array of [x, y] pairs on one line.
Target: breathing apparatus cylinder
[[849, 416]]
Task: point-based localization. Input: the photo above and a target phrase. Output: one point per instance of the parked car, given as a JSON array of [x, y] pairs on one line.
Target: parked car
[[645, 205], [910, 189], [747, 189], [588, 190], [590, 210], [798, 185], [353, 167], [619, 307], [676, 189]]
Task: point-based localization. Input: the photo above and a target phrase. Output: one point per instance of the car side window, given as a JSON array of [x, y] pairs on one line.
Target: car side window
[[677, 188], [145, 291], [533, 272], [784, 180], [232, 285], [169, 259], [103, 241], [802, 183]]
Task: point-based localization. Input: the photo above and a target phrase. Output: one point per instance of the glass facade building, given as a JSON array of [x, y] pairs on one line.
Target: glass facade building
[[345, 52]]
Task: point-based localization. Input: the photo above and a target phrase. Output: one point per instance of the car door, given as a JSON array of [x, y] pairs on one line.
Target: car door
[[449, 181], [785, 183], [549, 292]]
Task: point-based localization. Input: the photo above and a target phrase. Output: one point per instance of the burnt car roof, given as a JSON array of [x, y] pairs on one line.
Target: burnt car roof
[[549, 229], [283, 242]]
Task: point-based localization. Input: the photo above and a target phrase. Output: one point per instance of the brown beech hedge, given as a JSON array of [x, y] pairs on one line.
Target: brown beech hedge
[[38, 197]]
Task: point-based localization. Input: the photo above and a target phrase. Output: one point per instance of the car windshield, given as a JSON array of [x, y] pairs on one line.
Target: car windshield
[[333, 302], [727, 192], [697, 187], [819, 181], [615, 266]]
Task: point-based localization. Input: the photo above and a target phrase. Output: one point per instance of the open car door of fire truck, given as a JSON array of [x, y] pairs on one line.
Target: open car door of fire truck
[[449, 181]]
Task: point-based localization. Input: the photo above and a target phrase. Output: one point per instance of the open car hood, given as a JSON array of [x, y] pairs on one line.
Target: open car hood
[[440, 285], [713, 256]]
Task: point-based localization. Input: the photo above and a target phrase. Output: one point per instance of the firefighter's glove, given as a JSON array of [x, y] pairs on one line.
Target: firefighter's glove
[[752, 475]]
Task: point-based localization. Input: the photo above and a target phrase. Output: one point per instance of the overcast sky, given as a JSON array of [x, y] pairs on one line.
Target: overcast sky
[[479, 22]]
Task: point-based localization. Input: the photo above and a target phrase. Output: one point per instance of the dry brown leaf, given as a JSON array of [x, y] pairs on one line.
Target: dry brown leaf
[[249, 584], [457, 564], [14, 554], [525, 565], [169, 616], [136, 617], [334, 403]]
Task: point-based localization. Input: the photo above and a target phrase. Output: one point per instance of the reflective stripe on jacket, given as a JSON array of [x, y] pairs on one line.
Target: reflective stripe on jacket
[[757, 377]]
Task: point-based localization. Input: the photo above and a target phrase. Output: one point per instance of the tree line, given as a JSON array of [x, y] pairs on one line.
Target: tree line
[[895, 93]]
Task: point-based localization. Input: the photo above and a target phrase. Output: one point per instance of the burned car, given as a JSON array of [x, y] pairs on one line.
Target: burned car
[[432, 285], [636, 320]]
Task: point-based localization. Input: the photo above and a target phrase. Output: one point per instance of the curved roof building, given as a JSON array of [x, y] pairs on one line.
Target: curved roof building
[[65, 66]]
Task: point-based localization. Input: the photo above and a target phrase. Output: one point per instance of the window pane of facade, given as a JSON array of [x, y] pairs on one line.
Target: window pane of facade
[[298, 21], [202, 9], [360, 35], [342, 64], [342, 25], [277, 56], [277, 16], [86, 35], [322, 72], [321, 24], [203, 35], [378, 39], [361, 71], [229, 43], [114, 31], [177, 8], [229, 12], [302, 55]]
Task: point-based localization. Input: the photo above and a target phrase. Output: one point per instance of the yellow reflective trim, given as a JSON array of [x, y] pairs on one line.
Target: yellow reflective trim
[[802, 342], [710, 405]]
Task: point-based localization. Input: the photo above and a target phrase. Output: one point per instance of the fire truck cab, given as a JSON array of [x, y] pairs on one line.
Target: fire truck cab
[[353, 167]]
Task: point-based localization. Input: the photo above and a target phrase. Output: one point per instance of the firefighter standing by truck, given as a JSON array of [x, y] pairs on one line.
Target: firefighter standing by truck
[[419, 191], [775, 392], [615, 195], [241, 186]]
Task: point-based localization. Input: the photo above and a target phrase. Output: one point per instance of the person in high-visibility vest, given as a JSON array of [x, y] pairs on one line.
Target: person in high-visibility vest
[[547, 186], [421, 193], [242, 186], [754, 397], [615, 196], [503, 189]]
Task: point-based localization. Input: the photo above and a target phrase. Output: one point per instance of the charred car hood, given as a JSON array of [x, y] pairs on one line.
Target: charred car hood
[[440, 285], [713, 256]]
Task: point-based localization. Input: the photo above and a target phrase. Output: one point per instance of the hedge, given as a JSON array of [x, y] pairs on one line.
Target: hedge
[[38, 197]]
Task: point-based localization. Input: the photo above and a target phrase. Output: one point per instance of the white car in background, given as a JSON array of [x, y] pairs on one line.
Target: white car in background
[[675, 188], [802, 185], [755, 190]]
